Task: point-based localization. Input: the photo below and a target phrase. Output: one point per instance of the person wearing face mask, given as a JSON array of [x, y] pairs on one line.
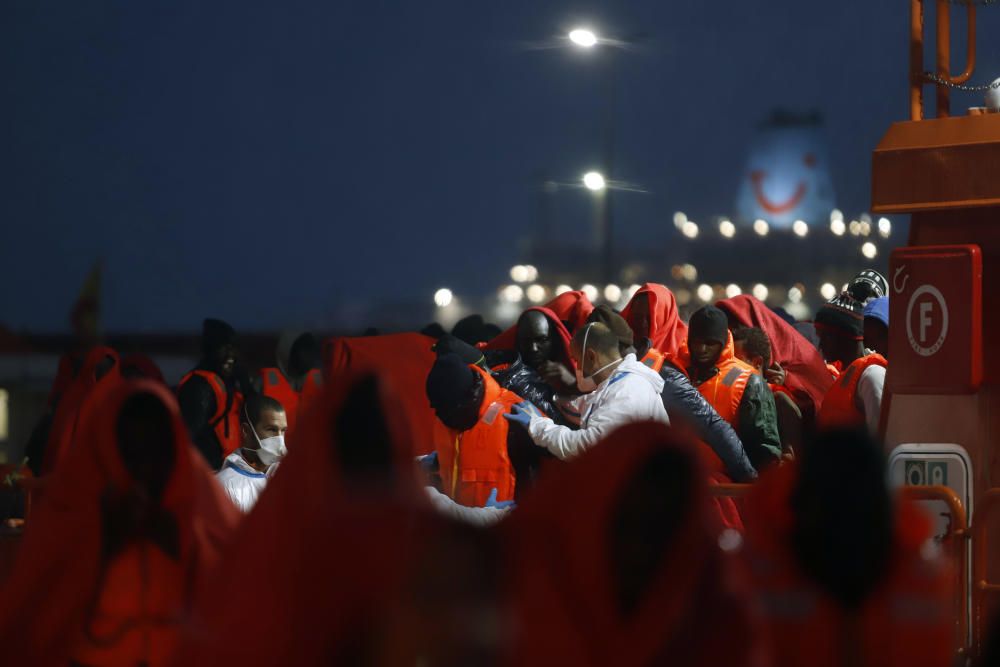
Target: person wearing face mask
[[615, 391], [246, 471]]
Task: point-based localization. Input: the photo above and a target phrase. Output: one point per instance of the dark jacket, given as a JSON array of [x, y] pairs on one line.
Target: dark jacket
[[524, 381], [197, 405], [684, 402], [758, 420]]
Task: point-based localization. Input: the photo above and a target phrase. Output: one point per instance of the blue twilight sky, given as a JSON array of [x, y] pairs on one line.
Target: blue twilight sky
[[288, 162]]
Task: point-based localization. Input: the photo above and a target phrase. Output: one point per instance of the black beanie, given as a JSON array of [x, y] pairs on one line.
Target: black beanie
[[215, 334], [470, 329], [450, 381], [449, 344], [844, 314], [607, 316], [868, 285], [709, 323]]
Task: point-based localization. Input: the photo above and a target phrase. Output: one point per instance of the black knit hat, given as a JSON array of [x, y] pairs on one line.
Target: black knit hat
[[449, 344], [868, 285], [844, 314], [607, 316], [450, 381], [215, 334], [709, 323]]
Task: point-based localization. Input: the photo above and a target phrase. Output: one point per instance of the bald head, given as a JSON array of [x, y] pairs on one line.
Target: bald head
[[534, 338], [595, 346]]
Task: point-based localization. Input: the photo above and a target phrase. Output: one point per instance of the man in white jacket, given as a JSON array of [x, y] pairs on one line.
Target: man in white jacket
[[616, 391], [246, 471]]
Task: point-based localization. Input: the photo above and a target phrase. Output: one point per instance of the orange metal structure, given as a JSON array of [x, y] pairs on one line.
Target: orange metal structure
[[945, 172]]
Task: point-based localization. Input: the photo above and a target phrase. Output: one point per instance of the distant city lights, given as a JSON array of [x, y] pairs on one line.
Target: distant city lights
[[794, 294], [589, 291], [827, 291], [884, 227], [512, 293], [727, 229], [705, 292], [760, 292], [612, 293], [519, 273], [732, 289], [836, 214], [761, 227], [800, 228], [535, 293], [632, 289], [689, 272], [562, 289], [690, 229], [679, 219], [869, 250], [443, 297], [594, 181], [854, 228], [838, 227]]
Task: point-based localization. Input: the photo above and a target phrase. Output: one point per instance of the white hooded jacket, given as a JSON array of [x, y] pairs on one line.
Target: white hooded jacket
[[630, 394], [243, 484]]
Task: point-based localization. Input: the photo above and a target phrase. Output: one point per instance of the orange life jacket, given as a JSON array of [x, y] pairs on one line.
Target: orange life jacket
[[312, 387], [724, 390], [840, 408], [907, 621], [273, 383], [653, 359], [226, 424], [474, 462]]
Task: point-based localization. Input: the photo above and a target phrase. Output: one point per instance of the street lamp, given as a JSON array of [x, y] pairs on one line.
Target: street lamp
[[594, 181], [583, 38]]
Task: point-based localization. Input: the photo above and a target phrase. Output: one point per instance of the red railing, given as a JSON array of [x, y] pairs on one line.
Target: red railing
[[982, 588], [956, 541], [917, 78]]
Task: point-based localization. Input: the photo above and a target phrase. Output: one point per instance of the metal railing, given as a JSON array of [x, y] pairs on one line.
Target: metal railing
[[982, 588], [955, 541], [943, 79]]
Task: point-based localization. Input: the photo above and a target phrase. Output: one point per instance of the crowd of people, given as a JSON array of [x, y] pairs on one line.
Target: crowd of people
[[540, 495]]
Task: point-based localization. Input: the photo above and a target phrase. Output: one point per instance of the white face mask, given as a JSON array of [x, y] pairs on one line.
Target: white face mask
[[588, 384], [270, 450]]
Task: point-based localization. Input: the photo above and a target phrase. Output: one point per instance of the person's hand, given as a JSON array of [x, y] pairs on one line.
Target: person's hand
[[495, 504], [775, 374], [429, 462], [557, 375], [523, 413]]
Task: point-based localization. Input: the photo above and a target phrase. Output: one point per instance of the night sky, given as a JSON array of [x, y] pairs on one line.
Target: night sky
[[286, 163]]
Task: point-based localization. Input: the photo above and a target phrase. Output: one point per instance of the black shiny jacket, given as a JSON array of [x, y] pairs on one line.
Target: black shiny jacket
[[524, 381]]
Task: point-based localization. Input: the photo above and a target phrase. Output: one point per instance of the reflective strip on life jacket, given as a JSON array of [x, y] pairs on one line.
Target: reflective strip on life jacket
[[724, 390], [653, 359]]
